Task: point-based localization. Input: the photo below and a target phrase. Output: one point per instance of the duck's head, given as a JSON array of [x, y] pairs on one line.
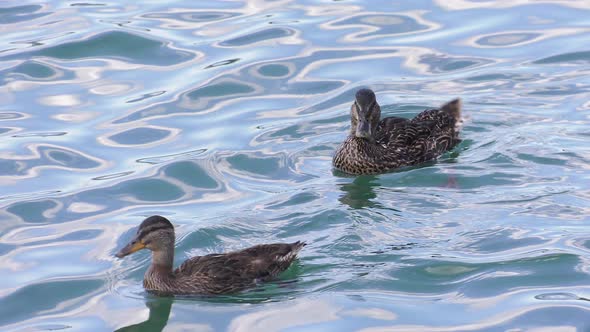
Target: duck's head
[[364, 115], [155, 233]]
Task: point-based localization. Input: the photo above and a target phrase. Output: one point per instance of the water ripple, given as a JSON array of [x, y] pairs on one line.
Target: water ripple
[[224, 115], [118, 45]]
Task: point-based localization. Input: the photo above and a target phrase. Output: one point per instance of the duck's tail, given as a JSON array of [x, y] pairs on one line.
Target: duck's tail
[[453, 108], [290, 252]]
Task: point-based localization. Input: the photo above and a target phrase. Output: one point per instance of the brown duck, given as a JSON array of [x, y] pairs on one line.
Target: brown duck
[[210, 274], [377, 146]]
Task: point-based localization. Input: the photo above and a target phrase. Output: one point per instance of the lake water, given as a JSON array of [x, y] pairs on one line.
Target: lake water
[[223, 116]]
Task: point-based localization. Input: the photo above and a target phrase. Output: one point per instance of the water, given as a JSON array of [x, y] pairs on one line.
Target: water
[[223, 116]]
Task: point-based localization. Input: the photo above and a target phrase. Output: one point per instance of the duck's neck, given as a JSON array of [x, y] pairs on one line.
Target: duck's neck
[[163, 258], [160, 272]]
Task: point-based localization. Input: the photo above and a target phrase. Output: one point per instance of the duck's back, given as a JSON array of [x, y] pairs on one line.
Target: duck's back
[[229, 272], [422, 138]]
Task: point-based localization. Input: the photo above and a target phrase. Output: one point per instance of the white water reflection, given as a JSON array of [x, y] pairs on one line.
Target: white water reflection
[[286, 317], [472, 4], [224, 115]]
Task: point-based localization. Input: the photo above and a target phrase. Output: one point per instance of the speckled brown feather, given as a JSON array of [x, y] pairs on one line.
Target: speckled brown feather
[[210, 274], [234, 271], [401, 142], [223, 273]]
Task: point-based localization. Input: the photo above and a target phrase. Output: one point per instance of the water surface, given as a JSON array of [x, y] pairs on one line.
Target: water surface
[[224, 115]]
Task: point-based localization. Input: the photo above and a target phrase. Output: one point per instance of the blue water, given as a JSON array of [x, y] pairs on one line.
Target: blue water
[[223, 116]]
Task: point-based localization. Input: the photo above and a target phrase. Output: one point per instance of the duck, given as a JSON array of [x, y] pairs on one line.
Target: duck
[[212, 274], [376, 145]]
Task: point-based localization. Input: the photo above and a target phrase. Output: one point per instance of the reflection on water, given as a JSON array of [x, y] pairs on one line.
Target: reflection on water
[[224, 115], [158, 317], [359, 193]]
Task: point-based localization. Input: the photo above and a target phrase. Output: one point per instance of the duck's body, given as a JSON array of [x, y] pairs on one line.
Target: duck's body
[[223, 273], [376, 146], [210, 274]]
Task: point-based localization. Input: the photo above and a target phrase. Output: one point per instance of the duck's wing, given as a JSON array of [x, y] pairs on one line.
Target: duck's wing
[[448, 116], [268, 260], [389, 123], [387, 126], [223, 273], [427, 135], [412, 140], [445, 121]]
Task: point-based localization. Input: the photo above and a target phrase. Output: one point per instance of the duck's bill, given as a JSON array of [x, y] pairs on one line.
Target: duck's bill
[[363, 129], [130, 248]]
